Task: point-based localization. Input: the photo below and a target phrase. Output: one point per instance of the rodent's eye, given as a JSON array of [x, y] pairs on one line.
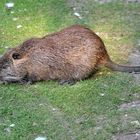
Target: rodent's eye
[[16, 56]]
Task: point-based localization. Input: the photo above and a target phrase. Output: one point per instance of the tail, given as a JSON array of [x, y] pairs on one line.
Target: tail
[[116, 67]]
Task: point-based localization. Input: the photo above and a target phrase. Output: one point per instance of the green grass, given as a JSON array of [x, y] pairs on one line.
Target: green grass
[[87, 110]]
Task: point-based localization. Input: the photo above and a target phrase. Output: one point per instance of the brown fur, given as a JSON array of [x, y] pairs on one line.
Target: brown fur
[[70, 54]]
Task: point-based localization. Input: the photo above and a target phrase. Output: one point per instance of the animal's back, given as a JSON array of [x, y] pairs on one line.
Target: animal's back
[[74, 52]]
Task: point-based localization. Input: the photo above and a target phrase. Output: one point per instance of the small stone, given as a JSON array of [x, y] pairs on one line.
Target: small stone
[[102, 94], [41, 138], [9, 5], [126, 115], [54, 109], [77, 15], [19, 26], [12, 125], [74, 8], [135, 122]]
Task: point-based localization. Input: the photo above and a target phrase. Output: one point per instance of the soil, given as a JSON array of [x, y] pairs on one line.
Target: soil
[[135, 135], [79, 4], [129, 1], [133, 59], [106, 1], [128, 136], [134, 104]]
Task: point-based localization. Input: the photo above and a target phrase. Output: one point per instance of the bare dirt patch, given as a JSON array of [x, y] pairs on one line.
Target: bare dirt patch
[[134, 59], [127, 1], [128, 136], [104, 1], [134, 104], [134, 1], [135, 135]]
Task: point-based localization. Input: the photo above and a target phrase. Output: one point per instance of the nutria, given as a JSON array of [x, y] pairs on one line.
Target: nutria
[[69, 55]]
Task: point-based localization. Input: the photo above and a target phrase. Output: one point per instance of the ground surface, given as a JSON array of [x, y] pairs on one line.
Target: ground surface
[[103, 107]]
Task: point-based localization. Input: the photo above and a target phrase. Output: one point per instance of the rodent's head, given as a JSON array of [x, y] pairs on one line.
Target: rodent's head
[[12, 66]]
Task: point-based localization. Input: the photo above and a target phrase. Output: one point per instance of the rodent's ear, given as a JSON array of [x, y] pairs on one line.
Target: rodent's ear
[[16, 56]]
